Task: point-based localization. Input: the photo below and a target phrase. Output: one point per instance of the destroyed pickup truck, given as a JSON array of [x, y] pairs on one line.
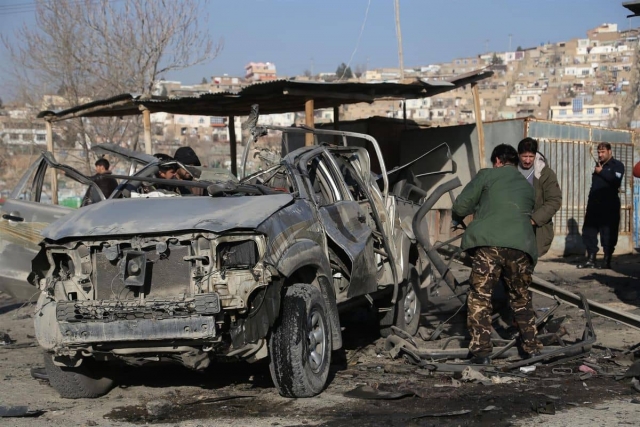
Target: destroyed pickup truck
[[257, 269]]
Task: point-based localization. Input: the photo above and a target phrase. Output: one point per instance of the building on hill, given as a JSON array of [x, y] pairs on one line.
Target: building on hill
[[588, 114], [260, 71]]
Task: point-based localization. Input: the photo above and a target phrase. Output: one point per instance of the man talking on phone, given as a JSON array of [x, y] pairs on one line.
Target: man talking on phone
[[603, 208]]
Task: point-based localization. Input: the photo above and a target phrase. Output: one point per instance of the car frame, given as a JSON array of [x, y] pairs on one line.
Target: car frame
[[259, 269]]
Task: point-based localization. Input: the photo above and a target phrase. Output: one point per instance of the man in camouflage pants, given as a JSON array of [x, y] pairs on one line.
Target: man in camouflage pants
[[502, 244]]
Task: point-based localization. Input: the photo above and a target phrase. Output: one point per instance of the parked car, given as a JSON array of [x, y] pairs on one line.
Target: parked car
[[258, 269]]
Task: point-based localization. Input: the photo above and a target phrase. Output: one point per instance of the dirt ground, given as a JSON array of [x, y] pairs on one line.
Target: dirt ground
[[242, 394]]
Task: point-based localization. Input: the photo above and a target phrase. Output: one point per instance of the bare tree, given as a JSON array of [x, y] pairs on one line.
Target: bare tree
[[91, 49]]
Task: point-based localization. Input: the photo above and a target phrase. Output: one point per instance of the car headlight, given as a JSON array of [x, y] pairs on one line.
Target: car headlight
[[236, 255]]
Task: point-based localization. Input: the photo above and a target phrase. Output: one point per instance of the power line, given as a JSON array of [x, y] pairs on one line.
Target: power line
[[366, 14]]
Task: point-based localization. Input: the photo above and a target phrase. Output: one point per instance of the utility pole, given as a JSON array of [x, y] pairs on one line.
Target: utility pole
[[399, 37]]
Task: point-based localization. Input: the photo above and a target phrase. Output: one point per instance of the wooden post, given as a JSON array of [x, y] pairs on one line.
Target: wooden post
[[146, 117], [480, 129], [404, 113], [308, 120], [233, 153], [54, 175], [336, 123]]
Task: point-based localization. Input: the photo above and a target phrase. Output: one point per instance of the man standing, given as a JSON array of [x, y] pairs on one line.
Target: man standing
[[548, 196], [603, 208], [103, 180], [502, 244]]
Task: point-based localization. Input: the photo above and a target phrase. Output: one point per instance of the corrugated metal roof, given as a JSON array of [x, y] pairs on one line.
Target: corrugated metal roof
[[633, 6], [278, 96]]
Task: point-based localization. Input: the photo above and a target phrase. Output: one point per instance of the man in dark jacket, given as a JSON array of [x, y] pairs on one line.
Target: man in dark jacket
[[502, 244], [603, 208], [533, 166], [103, 180]]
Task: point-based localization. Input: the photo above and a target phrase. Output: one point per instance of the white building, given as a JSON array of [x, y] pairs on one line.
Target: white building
[[588, 114]]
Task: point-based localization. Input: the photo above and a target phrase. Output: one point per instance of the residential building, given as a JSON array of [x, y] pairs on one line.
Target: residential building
[[588, 114], [260, 71]]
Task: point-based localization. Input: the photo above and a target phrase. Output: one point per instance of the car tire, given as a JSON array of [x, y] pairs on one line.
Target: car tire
[[300, 343], [86, 381], [405, 314]]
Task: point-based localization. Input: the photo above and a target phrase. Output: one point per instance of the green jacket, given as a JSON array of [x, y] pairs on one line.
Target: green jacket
[[501, 200], [548, 202]]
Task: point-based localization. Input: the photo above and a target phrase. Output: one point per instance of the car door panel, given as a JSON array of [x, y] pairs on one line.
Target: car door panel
[[344, 225]]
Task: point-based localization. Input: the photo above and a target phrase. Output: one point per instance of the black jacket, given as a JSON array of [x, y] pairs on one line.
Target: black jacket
[[605, 185]]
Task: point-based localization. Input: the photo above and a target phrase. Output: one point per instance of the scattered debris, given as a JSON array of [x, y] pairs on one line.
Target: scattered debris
[[547, 408], [470, 374], [19, 411], [204, 399], [587, 370], [5, 339], [528, 369], [158, 408], [444, 414], [368, 392]]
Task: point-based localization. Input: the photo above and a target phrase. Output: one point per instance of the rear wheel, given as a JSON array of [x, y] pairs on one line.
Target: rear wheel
[[300, 343], [86, 381], [405, 314]]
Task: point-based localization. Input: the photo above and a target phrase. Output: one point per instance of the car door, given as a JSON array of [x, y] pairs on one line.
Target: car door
[[27, 212], [344, 221]]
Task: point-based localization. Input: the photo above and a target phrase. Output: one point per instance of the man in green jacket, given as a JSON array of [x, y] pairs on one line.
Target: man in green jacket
[[502, 244], [533, 166]]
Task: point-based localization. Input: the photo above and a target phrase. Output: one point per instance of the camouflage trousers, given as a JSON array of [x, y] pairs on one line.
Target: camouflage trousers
[[490, 263]]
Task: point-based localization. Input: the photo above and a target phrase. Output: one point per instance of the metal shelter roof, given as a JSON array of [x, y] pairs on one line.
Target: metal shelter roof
[[279, 96], [634, 7]]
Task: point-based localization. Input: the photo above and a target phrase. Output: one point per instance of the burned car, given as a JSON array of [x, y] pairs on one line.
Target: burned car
[[256, 269]]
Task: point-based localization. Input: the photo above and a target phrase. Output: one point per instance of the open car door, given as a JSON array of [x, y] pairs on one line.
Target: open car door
[[28, 211]]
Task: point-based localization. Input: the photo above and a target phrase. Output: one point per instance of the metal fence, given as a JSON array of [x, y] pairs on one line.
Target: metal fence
[[573, 164]]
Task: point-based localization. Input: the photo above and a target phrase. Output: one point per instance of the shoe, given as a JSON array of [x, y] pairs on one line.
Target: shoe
[[480, 360], [589, 263], [606, 263]]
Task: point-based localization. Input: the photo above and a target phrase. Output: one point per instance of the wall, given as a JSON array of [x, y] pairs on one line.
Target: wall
[[567, 149]]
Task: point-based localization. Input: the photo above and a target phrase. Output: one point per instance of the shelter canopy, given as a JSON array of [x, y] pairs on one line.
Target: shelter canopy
[[279, 96]]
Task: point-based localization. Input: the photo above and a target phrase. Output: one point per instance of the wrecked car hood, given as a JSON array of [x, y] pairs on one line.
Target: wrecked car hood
[[166, 215]]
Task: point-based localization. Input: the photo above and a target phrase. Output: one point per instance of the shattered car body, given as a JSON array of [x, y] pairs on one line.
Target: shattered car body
[[257, 269], [29, 209]]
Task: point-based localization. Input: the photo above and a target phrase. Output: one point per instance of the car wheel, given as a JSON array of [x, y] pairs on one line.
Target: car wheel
[[405, 314], [300, 343], [86, 381]]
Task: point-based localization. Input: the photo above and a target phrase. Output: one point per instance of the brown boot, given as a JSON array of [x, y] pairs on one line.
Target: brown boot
[[589, 263]]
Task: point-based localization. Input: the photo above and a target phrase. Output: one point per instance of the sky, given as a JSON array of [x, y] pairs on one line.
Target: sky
[[317, 35]]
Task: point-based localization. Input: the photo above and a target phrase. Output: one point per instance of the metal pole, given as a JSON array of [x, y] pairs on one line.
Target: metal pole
[[54, 175], [478, 113], [233, 153], [399, 37], [308, 112], [146, 117]]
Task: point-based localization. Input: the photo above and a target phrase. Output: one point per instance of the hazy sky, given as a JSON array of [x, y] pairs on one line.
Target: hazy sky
[[320, 34]]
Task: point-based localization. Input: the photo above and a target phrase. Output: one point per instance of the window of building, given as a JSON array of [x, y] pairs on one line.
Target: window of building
[[14, 136], [562, 112], [585, 72], [590, 110], [181, 120], [605, 111], [201, 121], [41, 137]]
